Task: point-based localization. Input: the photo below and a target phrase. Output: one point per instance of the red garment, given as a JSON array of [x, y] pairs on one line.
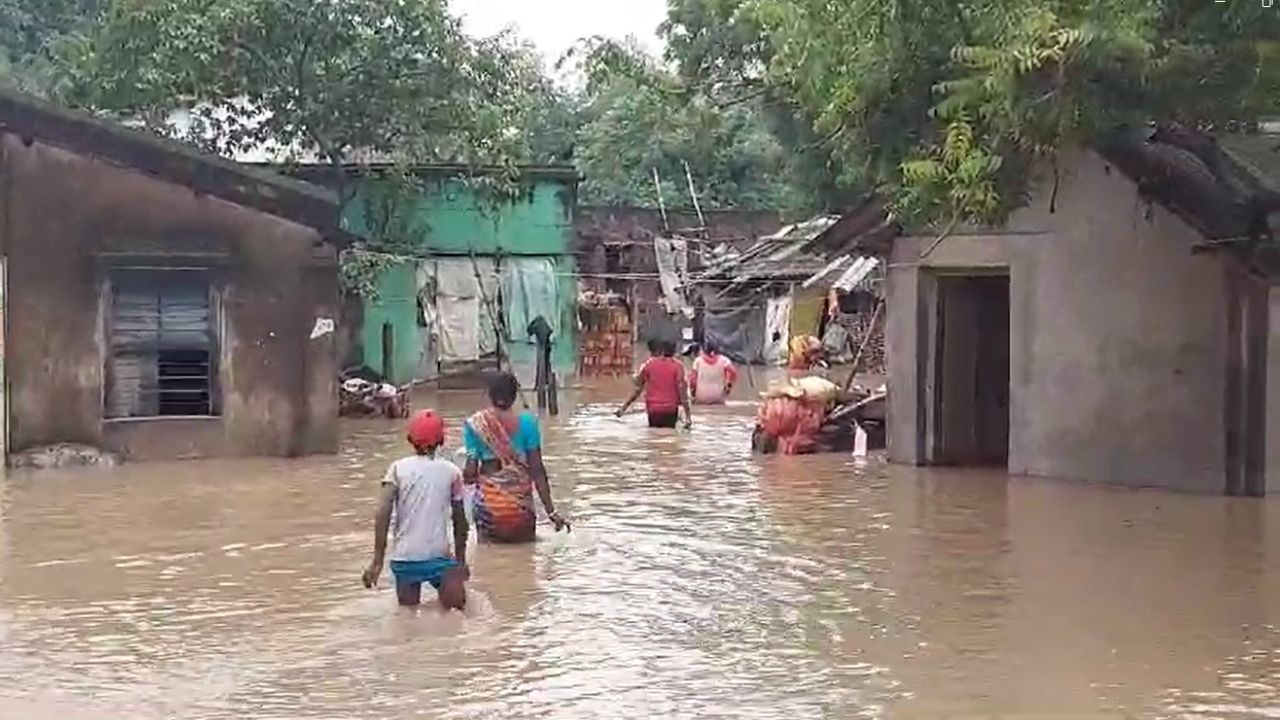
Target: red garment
[[661, 377], [794, 423]]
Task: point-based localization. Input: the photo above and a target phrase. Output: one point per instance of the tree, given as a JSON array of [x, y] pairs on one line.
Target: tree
[[953, 108], [332, 78], [345, 82], [33, 34], [638, 117]]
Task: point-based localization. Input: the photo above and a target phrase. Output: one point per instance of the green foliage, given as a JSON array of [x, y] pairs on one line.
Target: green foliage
[[638, 117], [331, 78], [719, 43], [347, 82], [721, 50], [954, 108], [33, 35], [359, 270], [959, 177]]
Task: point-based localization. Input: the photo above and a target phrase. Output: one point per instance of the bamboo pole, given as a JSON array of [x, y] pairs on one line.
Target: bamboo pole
[[662, 206], [866, 339], [688, 176]]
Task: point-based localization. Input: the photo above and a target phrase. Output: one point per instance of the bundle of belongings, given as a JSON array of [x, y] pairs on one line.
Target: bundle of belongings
[[811, 414], [360, 397]]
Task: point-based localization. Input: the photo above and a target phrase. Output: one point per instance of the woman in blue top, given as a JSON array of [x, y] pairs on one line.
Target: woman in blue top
[[504, 462]]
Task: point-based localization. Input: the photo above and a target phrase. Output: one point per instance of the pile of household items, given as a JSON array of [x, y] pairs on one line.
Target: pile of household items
[[363, 394], [814, 415]]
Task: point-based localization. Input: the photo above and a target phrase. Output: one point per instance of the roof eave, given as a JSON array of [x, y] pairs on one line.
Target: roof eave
[[31, 119]]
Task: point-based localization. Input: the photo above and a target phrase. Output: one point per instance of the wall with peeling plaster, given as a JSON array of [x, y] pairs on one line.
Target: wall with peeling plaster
[[66, 219]]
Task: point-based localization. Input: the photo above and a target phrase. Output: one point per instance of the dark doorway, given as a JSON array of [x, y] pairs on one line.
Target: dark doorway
[[388, 351], [971, 371]]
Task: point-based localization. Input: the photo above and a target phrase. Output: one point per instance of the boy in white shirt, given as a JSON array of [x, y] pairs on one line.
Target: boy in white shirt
[[426, 493]]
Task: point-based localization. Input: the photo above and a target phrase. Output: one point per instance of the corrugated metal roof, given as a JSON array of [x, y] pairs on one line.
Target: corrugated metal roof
[[807, 230], [831, 267], [807, 251], [1259, 154], [856, 274]]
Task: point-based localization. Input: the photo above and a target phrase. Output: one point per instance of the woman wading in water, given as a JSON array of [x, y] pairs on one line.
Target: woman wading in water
[[504, 463]]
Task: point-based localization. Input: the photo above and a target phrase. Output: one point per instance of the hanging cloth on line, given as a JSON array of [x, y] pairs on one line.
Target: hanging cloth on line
[[777, 330], [530, 289], [458, 328], [462, 324], [672, 256]]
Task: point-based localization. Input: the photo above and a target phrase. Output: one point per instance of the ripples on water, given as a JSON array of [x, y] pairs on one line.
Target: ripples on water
[[698, 582]]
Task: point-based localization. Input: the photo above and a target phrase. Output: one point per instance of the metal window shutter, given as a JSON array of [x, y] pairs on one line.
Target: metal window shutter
[[160, 345]]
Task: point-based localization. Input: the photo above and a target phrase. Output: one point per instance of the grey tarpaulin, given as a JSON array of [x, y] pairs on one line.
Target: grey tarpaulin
[[662, 326], [530, 290], [738, 333]]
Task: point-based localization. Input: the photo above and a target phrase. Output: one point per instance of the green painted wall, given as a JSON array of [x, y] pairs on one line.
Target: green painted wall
[[397, 305], [453, 219]]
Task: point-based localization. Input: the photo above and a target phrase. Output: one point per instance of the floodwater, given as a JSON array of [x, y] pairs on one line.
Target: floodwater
[[698, 583]]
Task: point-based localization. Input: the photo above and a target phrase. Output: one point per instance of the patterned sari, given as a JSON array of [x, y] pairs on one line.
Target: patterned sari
[[504, 498]]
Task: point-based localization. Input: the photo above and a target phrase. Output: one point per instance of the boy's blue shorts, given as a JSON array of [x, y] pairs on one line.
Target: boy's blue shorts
[[422, 571]]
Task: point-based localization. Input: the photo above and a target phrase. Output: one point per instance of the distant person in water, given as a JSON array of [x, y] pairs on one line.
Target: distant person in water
[[504, 462], [661, 379], [805, 355], [712, 377], [425, 493]]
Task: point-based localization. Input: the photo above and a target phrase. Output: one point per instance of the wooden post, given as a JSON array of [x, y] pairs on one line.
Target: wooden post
[[488, 306], [662, 206]]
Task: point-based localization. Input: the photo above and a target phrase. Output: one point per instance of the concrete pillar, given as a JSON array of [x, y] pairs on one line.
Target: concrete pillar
[[1273, 396]]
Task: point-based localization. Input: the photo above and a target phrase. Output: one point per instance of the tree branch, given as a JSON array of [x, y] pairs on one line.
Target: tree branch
[[946, 232], [742, 98]]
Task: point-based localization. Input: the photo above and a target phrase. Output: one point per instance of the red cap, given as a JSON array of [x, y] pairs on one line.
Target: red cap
[[426, 429]]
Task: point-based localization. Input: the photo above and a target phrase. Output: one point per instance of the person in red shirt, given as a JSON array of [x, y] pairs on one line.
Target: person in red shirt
[[661, 379]]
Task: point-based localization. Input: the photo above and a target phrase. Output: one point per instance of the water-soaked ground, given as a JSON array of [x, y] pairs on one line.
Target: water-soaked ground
[[698, 582]]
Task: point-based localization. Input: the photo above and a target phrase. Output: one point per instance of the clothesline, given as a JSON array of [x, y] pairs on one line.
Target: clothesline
[[692, 282], [656, 277]]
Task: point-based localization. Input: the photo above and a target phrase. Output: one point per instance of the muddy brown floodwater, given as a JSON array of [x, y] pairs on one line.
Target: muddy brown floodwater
[[698, 583]]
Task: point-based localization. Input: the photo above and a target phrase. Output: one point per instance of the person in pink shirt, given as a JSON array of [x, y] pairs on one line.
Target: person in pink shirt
[[712, 377]]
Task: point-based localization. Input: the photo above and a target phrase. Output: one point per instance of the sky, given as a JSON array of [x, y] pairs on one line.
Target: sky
[[553, 26]]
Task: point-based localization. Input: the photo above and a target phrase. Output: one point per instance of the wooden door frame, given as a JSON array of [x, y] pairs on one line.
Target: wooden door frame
[[930, 309]]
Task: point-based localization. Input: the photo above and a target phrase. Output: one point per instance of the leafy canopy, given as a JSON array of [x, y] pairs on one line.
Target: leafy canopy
[[638, 117], [33, 35], [338, 79], [951, 107], [344, 82]]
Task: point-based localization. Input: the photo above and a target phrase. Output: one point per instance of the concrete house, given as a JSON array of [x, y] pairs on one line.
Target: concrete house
[[482, 270], [1116, 330], [160, 303]]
